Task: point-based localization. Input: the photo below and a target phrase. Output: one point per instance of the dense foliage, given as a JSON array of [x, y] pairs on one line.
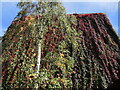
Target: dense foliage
[[77, 51], [45, 23], [98, 61]]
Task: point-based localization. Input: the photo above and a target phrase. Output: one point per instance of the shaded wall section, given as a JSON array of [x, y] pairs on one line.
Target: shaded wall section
[[98, 62]]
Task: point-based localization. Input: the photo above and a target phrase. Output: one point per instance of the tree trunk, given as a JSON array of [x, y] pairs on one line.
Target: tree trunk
[[39, 57]]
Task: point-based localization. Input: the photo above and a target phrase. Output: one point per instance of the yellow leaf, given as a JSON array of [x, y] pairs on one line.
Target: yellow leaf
[[22, 28], [62, 55], [30, 18], [29, 23], [52, 82], [62, 80], [32, 65], [34, 54], [81, 57], [32, 76], [17, 50]]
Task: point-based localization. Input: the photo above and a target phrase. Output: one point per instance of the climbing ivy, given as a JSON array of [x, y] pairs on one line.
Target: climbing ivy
[[45, 23], [76, 51]]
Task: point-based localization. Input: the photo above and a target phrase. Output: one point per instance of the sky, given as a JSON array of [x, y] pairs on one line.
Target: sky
[[109, 8], [9, 10]]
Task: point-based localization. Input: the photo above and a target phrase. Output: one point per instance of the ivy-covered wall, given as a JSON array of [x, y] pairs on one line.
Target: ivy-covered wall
[[98, 61], [85, 56]]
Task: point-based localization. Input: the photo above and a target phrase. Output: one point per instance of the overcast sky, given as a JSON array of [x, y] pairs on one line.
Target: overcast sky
[[8, 11]]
